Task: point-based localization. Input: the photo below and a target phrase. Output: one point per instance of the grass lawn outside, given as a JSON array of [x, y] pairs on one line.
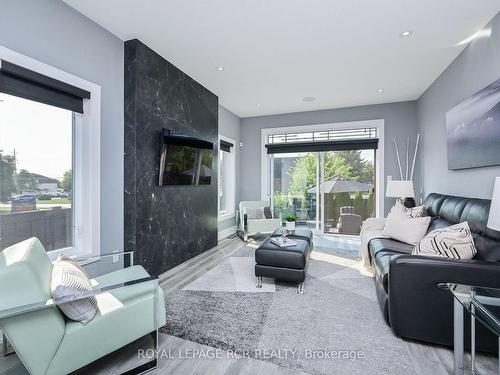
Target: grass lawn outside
[[54, 201], [41, 205]]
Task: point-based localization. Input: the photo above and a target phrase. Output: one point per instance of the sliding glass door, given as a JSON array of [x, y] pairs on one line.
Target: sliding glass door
[[348, 190], [326, 191], [292, 177]]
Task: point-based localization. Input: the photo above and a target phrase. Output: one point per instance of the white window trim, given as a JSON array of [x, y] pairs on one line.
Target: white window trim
[[231, 214], [227, 216], [87, 157], [379, 124]]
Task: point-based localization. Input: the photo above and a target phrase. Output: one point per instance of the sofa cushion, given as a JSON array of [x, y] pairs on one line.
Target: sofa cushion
[[388, 245]]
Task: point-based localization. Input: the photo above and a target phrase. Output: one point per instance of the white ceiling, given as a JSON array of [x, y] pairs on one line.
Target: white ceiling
[[276, 52]]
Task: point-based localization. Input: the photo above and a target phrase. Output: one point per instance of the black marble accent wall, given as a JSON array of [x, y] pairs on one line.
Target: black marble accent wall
[[170, 224]]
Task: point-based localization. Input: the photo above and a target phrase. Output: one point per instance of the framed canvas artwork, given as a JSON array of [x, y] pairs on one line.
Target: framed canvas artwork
[[473, 130]]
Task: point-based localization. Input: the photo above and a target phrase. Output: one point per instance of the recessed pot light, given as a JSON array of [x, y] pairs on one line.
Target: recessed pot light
[[220, 68], [406, 33], [258, 104], [308, 99], [380, 90]]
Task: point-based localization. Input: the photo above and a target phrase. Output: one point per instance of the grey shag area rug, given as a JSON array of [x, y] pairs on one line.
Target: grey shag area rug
[[335, 327]]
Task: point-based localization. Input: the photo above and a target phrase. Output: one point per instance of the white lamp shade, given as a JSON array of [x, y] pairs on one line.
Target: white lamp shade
[[494, 218], [400, 189]]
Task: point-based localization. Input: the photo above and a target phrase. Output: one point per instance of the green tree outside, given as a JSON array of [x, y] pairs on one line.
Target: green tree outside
[[67, 181], [26, 181], [349, 164], [8, 185]]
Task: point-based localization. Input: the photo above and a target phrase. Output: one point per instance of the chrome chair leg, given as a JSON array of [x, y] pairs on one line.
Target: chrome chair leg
[[301, 288], [259, 282]]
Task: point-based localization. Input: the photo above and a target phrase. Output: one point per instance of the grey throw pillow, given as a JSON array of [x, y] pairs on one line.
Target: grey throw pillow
[[69, 279], [409, 231], [255, 213]]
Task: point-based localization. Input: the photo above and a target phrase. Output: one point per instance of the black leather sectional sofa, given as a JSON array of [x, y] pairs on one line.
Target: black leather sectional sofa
[[406, 284]]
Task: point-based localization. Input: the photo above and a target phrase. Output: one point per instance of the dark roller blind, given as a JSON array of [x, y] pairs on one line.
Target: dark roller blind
[[18, 81], [339, 145], [225, 146]]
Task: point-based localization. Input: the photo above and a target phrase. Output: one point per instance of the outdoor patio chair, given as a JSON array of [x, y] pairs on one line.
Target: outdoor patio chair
[[349, 224], [347, 210]]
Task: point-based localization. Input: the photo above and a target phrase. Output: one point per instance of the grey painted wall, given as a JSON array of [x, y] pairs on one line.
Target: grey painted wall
[[476, 67], [400, 122], [229, 126], [56, 34]]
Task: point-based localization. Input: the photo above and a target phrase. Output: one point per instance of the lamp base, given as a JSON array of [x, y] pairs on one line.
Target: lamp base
[[409, 202]]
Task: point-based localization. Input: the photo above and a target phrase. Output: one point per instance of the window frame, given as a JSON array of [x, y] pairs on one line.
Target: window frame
[[379, 124], [231, 214], [86, 195]]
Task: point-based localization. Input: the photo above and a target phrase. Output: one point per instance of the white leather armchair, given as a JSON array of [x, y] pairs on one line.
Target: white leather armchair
[[252, 226], [130, 305]]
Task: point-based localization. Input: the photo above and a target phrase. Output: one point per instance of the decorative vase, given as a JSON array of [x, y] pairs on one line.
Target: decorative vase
[[290, 225]]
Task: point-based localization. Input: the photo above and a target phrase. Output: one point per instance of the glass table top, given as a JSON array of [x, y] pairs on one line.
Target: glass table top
[[483, 303]]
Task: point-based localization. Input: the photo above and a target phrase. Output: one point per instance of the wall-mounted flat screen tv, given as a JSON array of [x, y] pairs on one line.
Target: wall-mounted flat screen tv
[[185, 160]]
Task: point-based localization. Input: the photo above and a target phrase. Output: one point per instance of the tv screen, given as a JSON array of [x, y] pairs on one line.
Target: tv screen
[[185, 160]]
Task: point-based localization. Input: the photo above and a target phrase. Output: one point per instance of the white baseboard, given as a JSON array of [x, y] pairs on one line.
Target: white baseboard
[[226, 232]]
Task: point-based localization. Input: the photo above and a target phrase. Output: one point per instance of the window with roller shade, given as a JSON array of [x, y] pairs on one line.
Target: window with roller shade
[[44, 161]]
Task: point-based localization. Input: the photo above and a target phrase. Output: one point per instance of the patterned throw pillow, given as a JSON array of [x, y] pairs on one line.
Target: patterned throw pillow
[[69, 279], [454, 242], [255, 213], [400, 211]]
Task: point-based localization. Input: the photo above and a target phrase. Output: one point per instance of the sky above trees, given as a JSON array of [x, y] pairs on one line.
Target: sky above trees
[[40, 134]]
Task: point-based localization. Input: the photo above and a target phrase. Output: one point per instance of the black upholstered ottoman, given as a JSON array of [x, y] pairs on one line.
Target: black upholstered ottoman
[[284, 263]]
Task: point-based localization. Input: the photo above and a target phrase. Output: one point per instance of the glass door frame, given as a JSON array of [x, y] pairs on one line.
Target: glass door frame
[[266, 165]]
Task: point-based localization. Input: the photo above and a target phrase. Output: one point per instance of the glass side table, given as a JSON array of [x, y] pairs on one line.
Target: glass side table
[[483, 304]]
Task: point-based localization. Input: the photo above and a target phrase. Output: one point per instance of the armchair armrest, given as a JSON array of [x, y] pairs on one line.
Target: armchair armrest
[[23, 309], [417, 307], [91, 258]]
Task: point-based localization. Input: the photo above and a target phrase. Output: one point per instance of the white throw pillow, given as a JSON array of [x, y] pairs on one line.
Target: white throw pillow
[[406, 230], [255, 213], [400, 211], [454, 242], [69, 279]]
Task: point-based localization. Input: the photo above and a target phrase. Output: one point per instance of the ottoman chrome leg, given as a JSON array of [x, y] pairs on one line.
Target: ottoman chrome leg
[[259, 282], [301, 288]]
